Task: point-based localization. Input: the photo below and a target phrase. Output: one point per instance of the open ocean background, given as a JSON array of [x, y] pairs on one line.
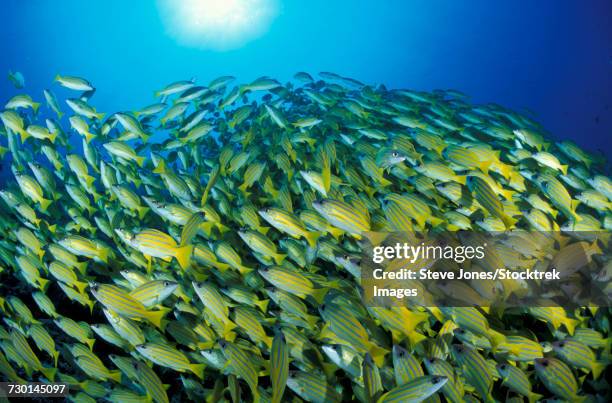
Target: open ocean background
[[550, 58]]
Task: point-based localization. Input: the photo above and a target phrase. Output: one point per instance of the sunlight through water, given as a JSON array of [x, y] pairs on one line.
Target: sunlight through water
[[217, 24]]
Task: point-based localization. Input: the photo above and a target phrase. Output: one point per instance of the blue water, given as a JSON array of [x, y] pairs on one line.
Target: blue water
[[553, 58]]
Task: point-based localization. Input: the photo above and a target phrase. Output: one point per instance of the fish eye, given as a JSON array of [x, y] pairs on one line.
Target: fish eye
[[437, 379], [503, 367], [323, 307], [166, 284], [395, 154], [265, 269], [561, 344], [346, 257]]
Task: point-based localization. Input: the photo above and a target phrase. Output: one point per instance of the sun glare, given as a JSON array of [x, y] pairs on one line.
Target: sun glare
[[217, 24]]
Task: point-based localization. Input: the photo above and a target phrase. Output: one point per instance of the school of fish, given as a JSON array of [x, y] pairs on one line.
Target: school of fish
[[207, 246]]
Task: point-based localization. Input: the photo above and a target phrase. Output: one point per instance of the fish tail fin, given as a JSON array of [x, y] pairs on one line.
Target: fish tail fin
[[160, 168], [244, 270], [198, 370], [90, 343], [115, 376], [312, 320], [278, 258], [206, 227], [44, 204], [140, 161], [88, 137], [509, 221], [44, 283], [142, 211], [263, 230], [385, 182], [100, 116], [49, 373], [60, 114], [378, 354], [319, 294], [103, 255], [89, 180], [243, 189], [23, 135], [496, 339], [57, 77], [484, 166], [82, 267], [461, 179], [55, 358], [335, 232], [53, 137], [156, 317], [570, 325], [228, 328], [263, 304], [435, 221], [223, 267], [312, 238], [183, 256], [598, 367], [80, 286], [415, 338], [90, 304]]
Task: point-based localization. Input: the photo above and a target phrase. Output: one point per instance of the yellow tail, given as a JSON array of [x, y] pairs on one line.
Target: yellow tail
[[378, 354], [44, 204], [278, 258], [183, 256], [319, 294], [115, 376], [142, 211], [80, 286], [311, 238], [570, 325], [155, 317], [598, 368], [197, 369], [24, 135], [263, 304]]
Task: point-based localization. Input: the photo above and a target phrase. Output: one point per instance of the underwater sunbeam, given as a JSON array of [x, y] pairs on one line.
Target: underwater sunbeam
[[216, 24]]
